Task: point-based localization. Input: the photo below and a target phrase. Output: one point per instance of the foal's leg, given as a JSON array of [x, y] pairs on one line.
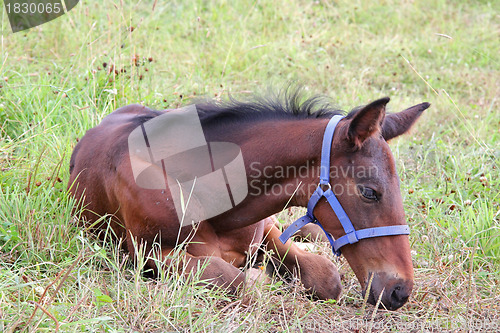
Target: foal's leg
[[215, 272], [318, 274]]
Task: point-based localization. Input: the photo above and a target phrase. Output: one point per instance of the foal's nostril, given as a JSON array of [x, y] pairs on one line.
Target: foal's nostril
[[399, 297]]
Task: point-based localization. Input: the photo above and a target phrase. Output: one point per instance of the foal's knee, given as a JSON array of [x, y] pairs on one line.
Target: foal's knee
[[320, 277]]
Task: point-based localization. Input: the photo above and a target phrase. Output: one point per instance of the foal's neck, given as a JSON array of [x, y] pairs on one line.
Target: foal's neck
[[282, 160]]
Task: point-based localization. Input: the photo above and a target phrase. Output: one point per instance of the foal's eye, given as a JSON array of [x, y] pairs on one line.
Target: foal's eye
[[368, 193]]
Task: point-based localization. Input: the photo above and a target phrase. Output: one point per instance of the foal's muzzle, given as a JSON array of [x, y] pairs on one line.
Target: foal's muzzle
[[396, 291]]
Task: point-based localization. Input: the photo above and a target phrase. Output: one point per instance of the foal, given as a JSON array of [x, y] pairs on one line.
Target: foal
[[275, 138]]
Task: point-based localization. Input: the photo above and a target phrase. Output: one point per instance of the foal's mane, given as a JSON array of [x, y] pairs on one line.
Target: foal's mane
[[288, 104]]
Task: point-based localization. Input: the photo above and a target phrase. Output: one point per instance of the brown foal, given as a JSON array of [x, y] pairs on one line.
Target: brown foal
[[281, 145]]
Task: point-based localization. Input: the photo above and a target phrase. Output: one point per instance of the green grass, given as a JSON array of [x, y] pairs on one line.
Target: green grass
[[56, 82]]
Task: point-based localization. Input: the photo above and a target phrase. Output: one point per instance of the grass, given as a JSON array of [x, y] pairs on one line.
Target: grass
[[62, 78]]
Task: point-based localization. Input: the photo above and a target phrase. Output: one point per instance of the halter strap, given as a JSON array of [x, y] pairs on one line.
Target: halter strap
[[324, 176], [351, 235]]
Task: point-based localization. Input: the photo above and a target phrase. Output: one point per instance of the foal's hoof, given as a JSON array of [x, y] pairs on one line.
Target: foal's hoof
[[256, 277]]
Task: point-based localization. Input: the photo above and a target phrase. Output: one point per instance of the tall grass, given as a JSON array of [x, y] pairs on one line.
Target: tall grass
[[60, 79]]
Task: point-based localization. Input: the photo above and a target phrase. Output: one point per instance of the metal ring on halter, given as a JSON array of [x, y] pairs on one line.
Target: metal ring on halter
[[328, 185]]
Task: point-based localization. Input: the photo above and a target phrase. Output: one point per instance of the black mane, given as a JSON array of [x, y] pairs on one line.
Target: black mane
[[290, 104]]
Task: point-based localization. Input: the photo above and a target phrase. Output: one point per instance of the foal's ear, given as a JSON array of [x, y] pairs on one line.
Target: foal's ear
[[396, 124], [367, 121]]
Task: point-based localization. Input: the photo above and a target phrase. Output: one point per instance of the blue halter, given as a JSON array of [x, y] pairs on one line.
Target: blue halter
[[351, 235]]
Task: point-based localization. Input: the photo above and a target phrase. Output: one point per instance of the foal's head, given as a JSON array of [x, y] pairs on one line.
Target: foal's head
[[365, 181]]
